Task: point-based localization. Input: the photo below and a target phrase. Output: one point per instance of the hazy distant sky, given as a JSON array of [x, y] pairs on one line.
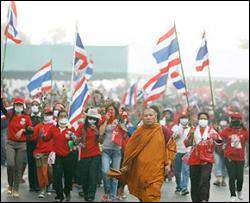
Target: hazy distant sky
[[140, 24]]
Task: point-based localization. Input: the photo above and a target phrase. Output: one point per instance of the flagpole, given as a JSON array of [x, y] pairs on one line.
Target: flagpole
[[5, 48], [51, 92], [211, 90], [183, 72], [4, 56]]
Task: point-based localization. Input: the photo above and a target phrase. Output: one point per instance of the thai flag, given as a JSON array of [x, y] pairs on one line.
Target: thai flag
[[155, 87], [80, 60], [11, 30], [166, 54], [41, 81], [80, 98], [202, 56], [130, 97]]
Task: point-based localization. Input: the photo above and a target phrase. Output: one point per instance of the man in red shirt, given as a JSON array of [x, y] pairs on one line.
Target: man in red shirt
[[235, 137]]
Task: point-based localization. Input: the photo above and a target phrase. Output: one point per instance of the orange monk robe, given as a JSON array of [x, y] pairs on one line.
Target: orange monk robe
[[145, 157]]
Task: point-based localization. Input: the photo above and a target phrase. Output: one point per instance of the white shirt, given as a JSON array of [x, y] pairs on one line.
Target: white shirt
[[181, 134]]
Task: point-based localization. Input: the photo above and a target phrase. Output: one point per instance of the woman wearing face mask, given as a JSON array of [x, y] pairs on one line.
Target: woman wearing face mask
[[61, 134], [18, 128], [42, 150], [88, 134], [181, 168], [201, 157], [235, 136], [36, 118]]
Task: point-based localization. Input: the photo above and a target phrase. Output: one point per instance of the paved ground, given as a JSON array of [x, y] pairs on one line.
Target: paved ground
[[217, 194]]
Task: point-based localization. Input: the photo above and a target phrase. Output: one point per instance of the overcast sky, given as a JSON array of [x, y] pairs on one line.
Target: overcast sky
[[140, 24]]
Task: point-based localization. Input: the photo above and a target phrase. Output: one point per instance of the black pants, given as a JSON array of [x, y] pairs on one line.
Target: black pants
[[63, 167], [235, 171], [200, 176], [89, 169], [76, 171], [32, 172]]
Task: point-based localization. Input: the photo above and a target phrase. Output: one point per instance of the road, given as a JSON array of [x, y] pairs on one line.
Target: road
[[217, 194]]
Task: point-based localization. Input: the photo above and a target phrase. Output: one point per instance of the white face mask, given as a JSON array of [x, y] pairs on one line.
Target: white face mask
[[91, 121], [48, 119], [55, 113], [34, 109], [18, 109], [63, 122], [203, 123], [184, 121]]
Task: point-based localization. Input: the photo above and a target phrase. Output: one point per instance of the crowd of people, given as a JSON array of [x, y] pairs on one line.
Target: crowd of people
[[116, 145]]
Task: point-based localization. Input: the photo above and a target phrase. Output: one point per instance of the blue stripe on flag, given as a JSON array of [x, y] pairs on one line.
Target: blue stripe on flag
[[202, 52], [160, 82], [38, 82], [179, 84], [89, 71], [163, 54], [79, 41], [78, 101]]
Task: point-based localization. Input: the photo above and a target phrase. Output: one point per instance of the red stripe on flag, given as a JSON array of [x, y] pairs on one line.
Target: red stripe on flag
[[153, 97], [171, 64], [10, 36], [47, 89], [204, 64], [153, 79], [46, 66], [83, 58], [174, 74], [167, 35]]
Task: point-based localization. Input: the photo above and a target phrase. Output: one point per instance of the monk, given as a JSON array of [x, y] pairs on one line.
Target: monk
[[147, 158]]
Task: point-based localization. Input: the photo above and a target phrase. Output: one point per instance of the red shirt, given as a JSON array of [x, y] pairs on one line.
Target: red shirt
[[17, 123], [92, 145], [60, 142], [194, 158], [236, 139], [42, 147]]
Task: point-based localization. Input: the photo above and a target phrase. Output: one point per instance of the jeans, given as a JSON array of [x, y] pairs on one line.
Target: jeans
[[15, 154], [181, 172], [220, 167], [236, 173], [113, 157]]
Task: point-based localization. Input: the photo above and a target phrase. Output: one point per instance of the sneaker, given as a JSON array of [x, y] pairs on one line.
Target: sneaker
[[41, 195], [104, 198], [184, 192], [58, 199], [177, 191], [68, 198], [16, 194], [233, 199], [217, 183], [9, 190], [240, 195]]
